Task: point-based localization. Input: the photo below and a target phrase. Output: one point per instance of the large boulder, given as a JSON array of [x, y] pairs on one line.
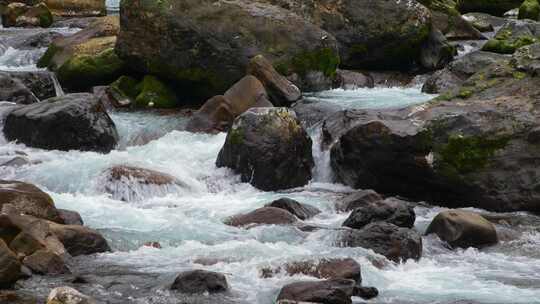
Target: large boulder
[[395, 243], [87, 58], [529, 9], [22, 15], [374, 34], [70, 122], [358, 199], [262, 216], [393, 211], [336, 291], [269, 148], [513, 35], [472, 146], [10, 267], [449, 21], [219, 112], [301, 211], [460, 228], [77, 8], [493, 7], [28, 199], [200, 281], [218, 38], [79, 240], [436, 52]]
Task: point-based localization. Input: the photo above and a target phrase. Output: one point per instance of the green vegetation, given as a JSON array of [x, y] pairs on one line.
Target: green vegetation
[[529, 9], [325, 60], [153, 91], [507, 46]]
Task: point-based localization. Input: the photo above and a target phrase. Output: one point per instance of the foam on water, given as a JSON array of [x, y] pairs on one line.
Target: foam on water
[[372, 98]]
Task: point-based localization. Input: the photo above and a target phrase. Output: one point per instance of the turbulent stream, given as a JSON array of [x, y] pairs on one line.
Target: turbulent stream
[[187, 221]]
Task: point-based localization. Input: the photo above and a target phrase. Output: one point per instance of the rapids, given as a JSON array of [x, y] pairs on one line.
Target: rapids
[[187, 221]]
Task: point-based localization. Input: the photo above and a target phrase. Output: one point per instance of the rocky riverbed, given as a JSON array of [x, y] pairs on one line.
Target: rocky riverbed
[[269, 152]]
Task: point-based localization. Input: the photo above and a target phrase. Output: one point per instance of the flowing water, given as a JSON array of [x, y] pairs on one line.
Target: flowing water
[[187, 220]]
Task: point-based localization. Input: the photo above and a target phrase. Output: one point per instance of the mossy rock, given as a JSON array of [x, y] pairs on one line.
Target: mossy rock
[[156, 93], [126, 87], [507, 46], [529, 9], [85, 71]]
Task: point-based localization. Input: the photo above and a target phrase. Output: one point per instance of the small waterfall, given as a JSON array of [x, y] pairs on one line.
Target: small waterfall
[[322, 172], [57, 87]]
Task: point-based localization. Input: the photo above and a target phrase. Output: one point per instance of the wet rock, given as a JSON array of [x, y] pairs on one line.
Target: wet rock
[[395, 243], [312, 113], [25, 244], [152, 92], [352, 80], [446, 19], [200, 281], [10, 268], [269, 148], [17, 161], [68, 295], [301, 211], [40, 83], [527, 59], [485, 22], [441, 81], [87, 58], [496, 8], [156, 245], [358, 199], [460, 228], [70, 217], [281, 92], [22, 15], [122, 92], [323, 269], [219, 112], [436, 51], [263, 216], [14, 90], [392, 211], [77, 8], [28, 199], [148, 42], [129, 183], [45, 262], [365, 292], [513, 35], [337, 291], [73, 121], [79, 240]]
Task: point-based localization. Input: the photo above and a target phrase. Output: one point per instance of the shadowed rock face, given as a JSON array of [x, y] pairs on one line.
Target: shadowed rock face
[[205, 46], [269, 148], [71, 122], [336, 291], [200, 281]]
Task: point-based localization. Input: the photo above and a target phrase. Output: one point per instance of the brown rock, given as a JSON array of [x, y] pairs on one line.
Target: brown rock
[[323, 269], [45, 262], [10, 268], [263, 216]]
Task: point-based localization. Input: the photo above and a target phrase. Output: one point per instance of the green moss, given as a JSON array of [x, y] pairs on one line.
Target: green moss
[[506, 46], [45, 16], [465, 93], [529, 9], [325, 60], [84, 71], [236, 136], [519, 75], [467, 154], [125, 87], [152, 90], [46, 60]]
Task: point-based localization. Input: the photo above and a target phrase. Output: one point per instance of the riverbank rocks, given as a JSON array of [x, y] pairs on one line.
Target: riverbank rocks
[[128, 183], [68, 295], [86, 58], [436, 51], [262, 216], [14, 90], [70, 122], [22, 15], [395, 243], [46, 263], [358, 199], [336, 291], [200, 281], [323, 269], [77, 8], [79, 240], [10, 267], [449, 21], [219, 112], [497, 7], [301, 211], [218, 40], [269, 148], [28, 199], [460, 228], [392, 211], [513, 35], [70, 217], [371, 34], [281, 92]]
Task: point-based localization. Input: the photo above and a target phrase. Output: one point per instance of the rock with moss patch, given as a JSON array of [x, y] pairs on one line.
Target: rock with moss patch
[[23, 15], [436, 51], [269, 148], [155, 93], [218, 40], [529, 9], [123, 91], [447, 19], [513, 35], [77, 8]]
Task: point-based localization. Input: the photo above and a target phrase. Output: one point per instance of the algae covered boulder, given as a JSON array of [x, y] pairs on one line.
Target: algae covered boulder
[[529, 9], [513, 35], [23, 15], [269, 148], [204, 47], [154, 93]]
